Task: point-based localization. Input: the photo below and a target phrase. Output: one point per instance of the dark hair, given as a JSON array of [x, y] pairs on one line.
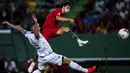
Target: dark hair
[[30, 23], [66, 3]]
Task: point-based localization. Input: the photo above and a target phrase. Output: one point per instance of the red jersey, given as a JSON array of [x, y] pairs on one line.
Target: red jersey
[[51, 18]]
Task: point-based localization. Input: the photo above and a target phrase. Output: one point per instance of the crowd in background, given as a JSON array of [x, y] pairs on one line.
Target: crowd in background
[[103, 16], [7, 65], [19, 11]]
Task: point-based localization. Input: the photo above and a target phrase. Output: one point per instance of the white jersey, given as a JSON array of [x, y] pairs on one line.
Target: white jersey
[[41, 45]]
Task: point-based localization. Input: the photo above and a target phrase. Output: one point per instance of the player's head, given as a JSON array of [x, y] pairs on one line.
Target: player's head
[[66, 6], [34, 26]]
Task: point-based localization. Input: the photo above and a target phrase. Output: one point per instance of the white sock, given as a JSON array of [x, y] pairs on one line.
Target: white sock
[[36, 71], [77, 67], [30, 69]]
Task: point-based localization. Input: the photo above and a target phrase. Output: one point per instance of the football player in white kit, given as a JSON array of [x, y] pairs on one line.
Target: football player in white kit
[[44, 50]]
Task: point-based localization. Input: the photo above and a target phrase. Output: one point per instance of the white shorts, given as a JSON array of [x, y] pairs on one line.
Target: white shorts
[[52, 58]]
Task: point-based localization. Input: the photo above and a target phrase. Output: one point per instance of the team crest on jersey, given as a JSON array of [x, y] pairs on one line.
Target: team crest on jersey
[[58, 13]]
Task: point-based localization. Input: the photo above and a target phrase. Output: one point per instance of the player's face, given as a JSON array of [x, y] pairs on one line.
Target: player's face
[[66, 9], [36, 27]]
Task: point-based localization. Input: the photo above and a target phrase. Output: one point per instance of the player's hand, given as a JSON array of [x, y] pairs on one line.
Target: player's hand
[[34, 17], [72, 21], [5, 22]]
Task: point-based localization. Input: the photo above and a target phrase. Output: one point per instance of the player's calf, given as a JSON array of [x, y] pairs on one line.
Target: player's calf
[[63, 30], [76, 66]]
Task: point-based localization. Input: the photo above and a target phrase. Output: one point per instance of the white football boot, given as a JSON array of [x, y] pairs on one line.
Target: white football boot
[[81, 42]]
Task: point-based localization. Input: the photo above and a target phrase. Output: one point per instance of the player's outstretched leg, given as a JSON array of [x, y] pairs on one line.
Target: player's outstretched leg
[[76, 66], [63, 30]]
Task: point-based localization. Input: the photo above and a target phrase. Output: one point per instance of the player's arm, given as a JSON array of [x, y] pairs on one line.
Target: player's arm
[[17, 27], [59, 18], [34, 17]]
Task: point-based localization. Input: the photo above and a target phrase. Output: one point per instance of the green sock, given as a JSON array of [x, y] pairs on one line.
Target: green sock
[[72, 35]]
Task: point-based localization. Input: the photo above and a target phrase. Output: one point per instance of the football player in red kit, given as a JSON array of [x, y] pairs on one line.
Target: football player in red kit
[[49, 28]]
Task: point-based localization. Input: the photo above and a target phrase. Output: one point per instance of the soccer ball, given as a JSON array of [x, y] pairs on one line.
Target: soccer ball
[[123, 33]]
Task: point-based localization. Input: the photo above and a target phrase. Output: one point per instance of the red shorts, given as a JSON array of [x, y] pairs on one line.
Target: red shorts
[[49, 33]]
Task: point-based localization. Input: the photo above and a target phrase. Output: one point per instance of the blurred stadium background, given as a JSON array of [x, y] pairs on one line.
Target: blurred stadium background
[[96, 20]]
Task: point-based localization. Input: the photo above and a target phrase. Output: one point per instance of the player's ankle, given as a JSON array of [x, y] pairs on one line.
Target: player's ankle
[[91, 69], [78, 39]]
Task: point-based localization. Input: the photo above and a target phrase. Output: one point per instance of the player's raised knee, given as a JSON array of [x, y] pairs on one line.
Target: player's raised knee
[[63, 30], [66, 29]]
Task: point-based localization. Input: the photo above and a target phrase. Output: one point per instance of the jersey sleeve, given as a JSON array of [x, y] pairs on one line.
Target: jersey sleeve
[[27, 34]]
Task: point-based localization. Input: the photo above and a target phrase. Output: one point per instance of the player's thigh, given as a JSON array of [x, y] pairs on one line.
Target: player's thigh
[[55, 59], [58, 59], [50, 32], [62, 30]]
